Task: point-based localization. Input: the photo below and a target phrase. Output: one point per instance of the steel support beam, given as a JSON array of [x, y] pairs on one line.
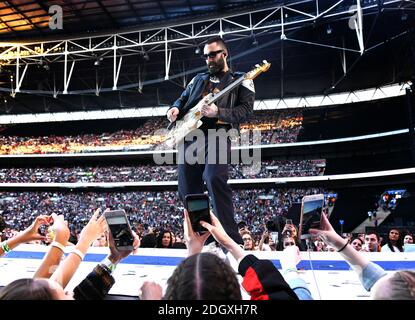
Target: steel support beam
[[173, 37]]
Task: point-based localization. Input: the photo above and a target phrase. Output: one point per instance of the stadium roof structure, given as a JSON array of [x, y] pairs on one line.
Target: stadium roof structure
[[111, 54], [28, 18]]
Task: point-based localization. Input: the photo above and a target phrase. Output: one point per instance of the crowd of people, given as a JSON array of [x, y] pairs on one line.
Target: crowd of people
[[157, 217], [260, 278], [268, 169], [286, 130], [371, 241], [146, 210], [275, 126], [119, 140]]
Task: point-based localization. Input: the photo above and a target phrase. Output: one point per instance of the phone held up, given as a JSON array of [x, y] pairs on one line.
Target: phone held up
[[274, 237], [197, 205], [120, 229], [311, 210]]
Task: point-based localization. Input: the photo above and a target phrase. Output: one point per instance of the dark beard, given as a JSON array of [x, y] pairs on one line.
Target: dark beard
[[215, 67]]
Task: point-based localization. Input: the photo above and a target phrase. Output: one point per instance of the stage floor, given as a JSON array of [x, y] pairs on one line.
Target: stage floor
[[327, 274]]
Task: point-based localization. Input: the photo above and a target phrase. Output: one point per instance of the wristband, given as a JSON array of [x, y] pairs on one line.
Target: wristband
[[340, 250], [107, 262], [78, 253], [5, 246], [58, 245]]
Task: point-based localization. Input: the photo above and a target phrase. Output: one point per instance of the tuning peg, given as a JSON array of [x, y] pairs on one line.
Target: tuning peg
[[264, 61], [257, 65]]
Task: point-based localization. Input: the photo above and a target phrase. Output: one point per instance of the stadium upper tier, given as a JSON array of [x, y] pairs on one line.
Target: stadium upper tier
[[278, 127], [267, 169], [275, 126]]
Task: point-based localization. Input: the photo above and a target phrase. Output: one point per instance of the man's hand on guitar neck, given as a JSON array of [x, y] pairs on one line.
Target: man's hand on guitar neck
[[172, 114], [209, 110]]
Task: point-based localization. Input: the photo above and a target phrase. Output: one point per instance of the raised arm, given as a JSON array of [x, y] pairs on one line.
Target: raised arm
[[100, 281], [265, 235], [95, 227], [261, 279], [54, 254], [29, 234], [194, 241], [367, 271], [222, 237]]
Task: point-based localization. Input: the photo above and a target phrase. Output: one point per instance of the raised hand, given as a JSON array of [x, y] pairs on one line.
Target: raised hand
[[209, 110], [217, 230], [194, 240], [327, 234], [59, 229], [31, 233], [117, 255], [151, 291], [222, 237], [95, 227]]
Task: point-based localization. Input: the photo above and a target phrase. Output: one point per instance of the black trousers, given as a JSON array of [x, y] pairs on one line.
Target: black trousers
[[193, 176]]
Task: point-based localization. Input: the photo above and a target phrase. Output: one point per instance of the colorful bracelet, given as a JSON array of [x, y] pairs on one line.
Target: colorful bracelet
[[5, 246]]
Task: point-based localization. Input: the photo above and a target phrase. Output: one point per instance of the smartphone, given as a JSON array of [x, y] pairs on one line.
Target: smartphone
[[120, 229], [197, 205], [288, 221], [274, 236], [310, 217]]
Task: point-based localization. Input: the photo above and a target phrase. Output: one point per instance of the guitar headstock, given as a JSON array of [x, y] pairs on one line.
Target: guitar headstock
[[259, 68]]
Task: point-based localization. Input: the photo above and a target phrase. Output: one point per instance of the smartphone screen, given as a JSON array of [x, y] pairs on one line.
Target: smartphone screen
[[312, 208], [197, 206], [274, 237], [120, 229]]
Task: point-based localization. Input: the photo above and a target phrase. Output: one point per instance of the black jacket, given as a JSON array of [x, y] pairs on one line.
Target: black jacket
[[234, 108], [263, 281]]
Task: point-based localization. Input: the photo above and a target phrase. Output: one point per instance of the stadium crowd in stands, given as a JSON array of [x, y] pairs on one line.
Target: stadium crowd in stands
[[268, 169], [146, 210], [276, 127], [261, 279]]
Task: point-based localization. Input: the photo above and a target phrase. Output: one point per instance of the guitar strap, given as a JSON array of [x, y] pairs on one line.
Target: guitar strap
[[226, 79], [213, 86]]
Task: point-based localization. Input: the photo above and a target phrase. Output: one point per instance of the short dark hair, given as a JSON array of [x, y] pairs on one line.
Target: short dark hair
[[241, 224], [219, 41], [148, 241], [373, 232]]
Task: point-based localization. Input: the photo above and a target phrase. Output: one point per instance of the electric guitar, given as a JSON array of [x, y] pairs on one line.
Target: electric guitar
[[191, 120]]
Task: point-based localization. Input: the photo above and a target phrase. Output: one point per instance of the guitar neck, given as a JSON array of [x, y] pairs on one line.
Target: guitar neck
[[232, 86]]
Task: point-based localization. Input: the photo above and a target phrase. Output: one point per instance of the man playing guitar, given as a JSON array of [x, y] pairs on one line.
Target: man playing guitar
[[227, 112]]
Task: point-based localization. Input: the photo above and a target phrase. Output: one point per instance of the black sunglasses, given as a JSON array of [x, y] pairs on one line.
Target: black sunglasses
[[212, 54]]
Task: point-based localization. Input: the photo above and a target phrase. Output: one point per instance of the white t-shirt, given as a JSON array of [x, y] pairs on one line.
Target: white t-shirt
[[386, 248], [265, 247]]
